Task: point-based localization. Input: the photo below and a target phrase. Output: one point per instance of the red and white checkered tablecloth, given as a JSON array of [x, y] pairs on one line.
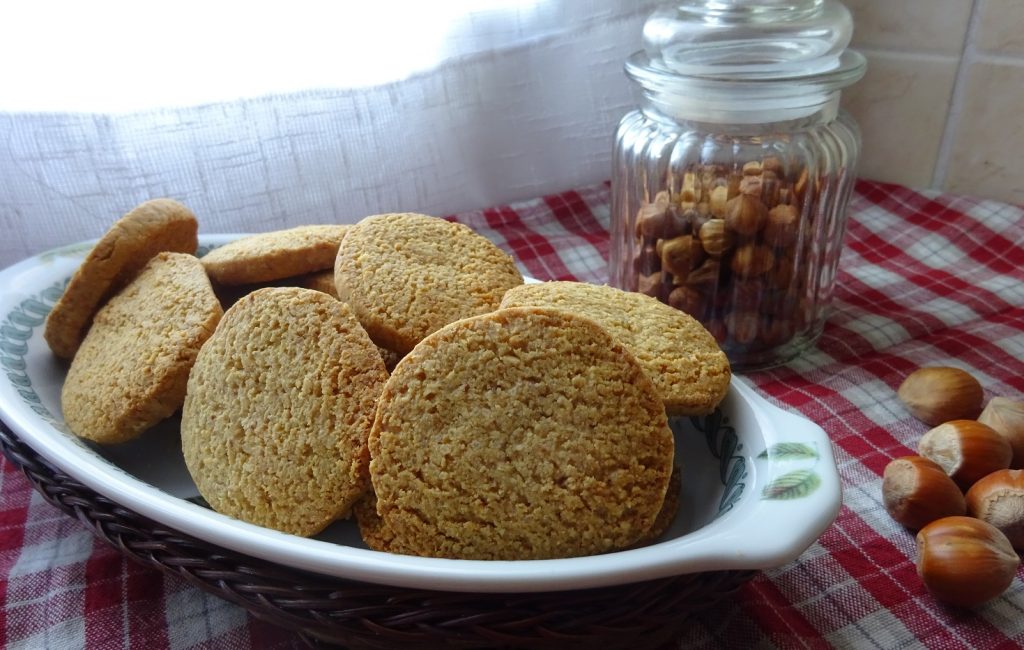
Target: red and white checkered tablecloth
[[925, 279]]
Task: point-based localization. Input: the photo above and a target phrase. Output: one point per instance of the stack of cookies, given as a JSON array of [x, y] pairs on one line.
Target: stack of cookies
[[398, 369]]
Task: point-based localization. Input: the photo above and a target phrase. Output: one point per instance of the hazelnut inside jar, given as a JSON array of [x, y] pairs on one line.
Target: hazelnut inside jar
[[731, 180]]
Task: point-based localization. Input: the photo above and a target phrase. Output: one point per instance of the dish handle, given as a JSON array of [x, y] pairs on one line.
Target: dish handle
[[780, 494]]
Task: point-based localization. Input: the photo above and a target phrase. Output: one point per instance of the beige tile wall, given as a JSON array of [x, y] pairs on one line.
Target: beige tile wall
[[942, 103]]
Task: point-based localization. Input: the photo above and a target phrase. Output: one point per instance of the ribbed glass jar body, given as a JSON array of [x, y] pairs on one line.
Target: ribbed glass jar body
[[738, 224]]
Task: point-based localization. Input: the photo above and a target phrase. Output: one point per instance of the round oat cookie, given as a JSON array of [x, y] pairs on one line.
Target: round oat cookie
[[274, 255], [407, 275], [519, 434], [152, 227], [279, 407], [683, 360], [130, 371]]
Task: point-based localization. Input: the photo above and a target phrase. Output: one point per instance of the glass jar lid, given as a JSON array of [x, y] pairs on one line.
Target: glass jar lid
[[783, 52]]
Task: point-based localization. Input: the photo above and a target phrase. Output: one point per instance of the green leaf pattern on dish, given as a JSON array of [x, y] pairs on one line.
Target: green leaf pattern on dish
[[792, 485], [789, 451], [797, 483], [17, 327]]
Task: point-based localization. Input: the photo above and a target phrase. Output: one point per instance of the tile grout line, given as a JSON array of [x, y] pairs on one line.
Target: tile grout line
[[957, 98], [986, 56]]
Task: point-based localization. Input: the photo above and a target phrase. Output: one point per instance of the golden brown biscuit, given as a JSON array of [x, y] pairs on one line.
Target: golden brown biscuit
[[274, 255], [519, 434], [683, 360], [279, 406], [130, 371], [152, 227], [407, 275]]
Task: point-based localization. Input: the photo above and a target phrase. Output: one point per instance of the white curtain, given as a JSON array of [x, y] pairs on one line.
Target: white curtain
[[261, 118]]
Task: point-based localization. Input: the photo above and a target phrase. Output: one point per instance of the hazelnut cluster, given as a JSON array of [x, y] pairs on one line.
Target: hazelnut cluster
[[726, 245], [965, 489]]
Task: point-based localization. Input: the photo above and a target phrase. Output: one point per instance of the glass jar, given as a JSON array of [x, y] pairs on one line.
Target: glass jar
[[731, 181]]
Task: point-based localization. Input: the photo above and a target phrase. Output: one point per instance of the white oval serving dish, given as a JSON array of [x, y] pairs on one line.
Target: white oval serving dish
[[760, 485]]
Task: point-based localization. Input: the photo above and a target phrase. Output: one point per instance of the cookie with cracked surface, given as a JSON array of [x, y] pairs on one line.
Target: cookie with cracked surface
[[683, 360], [407, 275], [131, 370], [275, 255], [279, 406], [519, 434], [154, 226]]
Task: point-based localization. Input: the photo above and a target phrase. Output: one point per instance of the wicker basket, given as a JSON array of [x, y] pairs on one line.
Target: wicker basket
[[333, 611]]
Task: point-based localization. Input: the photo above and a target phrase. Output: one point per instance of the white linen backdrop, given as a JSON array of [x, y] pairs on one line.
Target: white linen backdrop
[[264, 117]]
